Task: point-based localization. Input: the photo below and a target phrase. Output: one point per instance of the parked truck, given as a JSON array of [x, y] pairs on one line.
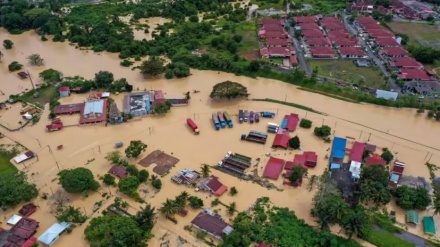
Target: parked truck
[[240, 116], [228, 119], [267, 114], [193, 125], [251, 117], [245, 115], [26, 109], [215, 121], [221, 119]]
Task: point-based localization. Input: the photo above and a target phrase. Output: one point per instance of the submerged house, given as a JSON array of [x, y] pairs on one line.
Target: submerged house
[[53, 233], [337, 152], [212, 224], [114, 114], [213, 185]]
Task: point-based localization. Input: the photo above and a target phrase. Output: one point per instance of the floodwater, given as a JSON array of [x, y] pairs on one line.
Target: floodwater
[[87, 145]]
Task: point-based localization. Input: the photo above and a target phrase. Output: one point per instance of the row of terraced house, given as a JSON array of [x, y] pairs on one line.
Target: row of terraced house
[[275, 40], [327, 37], [394, 55]]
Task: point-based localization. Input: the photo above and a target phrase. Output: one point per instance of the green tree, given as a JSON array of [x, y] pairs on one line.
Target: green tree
[[35, 59], [356, 222], [14, 66], [8, 44], [373, 184], [103, 79], [233, 191], [297, 174], [129, 186], [72, 215], [254, 66], [109, 179], [114, 157], [77, 180], [323, 131], [51, 75], [135, 148], [294, 142], [205, 170], [143, 175], [181, 199], [228, 90], [154, 66], [305, 123], [156, 183], [194, 18], [411, 198], [15, 188], [162, 108], [169, 208], [145, 218], [232, 208], [313, 181], [195, 202], [387, 155], [114, 231]]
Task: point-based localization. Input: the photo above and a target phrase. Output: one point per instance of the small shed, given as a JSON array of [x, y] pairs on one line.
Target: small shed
[[14, 219], [412, 217], [429, 225], [64, 91], [53, 233]]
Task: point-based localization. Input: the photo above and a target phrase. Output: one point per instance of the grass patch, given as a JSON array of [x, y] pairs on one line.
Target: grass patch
[[265, 4], [346, 70], [424, 34], [386, 239], [329, 95], [6, 167], [249, 45], [45, 95], [302, 107]]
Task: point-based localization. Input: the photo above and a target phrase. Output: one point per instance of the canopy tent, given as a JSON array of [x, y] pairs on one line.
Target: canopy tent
[[429, 225], [412, 217], [52, 234]]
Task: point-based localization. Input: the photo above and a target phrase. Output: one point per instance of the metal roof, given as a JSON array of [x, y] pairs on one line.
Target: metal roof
[[382, 94]]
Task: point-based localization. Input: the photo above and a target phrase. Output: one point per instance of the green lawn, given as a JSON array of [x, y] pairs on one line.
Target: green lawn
[[386, 239], [249, 45], [6, 167], [345, 70], [45, 95], [424, 34], [267, 4]]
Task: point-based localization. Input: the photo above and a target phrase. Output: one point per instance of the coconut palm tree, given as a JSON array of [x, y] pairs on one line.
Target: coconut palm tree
[[205, 170], [168, 208], [145, 218], [232, 208], [182, 199], [313, 181]]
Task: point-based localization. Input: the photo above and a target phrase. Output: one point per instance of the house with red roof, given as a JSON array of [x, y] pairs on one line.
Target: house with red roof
[[263, 34], [264, 52], [375, 159], [335, 34], [312, 34], [357, 151], [414, 74], [273, 27], [270, 21], [64, 91], [365, 19], [211, 223], [352, 52], [344, 42], [278, 43], [305, 19], [213, 185], [275, 52], [293, 61], [329, 19], [361, 6], [405, 62], [396, 173], [318, 42], [306, 159], [371, 26], [380, 34], [281, 140], [309, 26], [322, 52], [292, 122], [394, 52], [20, 235], [273, 168], [119, 171], [333, 26], [386, 42]]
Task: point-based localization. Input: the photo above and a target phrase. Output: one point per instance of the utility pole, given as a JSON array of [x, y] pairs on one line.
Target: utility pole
[[57, 165], [39, 144], [426, 155], [285, 99], [30, 78], [99, 149], [361, 134], [369, 137], [306, 115]]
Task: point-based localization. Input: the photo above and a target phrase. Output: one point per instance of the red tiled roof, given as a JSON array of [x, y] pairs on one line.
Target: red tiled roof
[[282, 42], [264, 52], [375, 159], [414, 74], [293, 60], [27, 209], [318, 51], [158, 94], [68, 109], [333, 26], [365, 19], [63, 89], [212, 224], [119, 171], [279, 51], [394, 51], [398, 167], [345, 41], [336, 34], [386, 41], [273, 27], [299, 159], [406, 62], [318, 41], [330, 19], [311, 158], [304, 19], [357, 151], [273, 34], [270, 21], [312, 33], [380, 33], [216, 186], [351, 51], [273, 168], [281, 140], [309, 26], [372, 26], [30, 242], [292, 122]]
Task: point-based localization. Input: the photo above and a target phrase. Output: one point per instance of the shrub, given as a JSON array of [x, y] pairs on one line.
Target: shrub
[[305, 123]]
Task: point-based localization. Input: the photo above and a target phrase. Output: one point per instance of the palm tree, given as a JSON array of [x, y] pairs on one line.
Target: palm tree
[[182, 199], [145, 218], [168, 208], [313, 181], [205, 170], [232, 208], [187, 95]]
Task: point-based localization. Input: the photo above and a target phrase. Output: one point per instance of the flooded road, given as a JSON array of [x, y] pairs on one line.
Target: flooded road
[[87, 145]]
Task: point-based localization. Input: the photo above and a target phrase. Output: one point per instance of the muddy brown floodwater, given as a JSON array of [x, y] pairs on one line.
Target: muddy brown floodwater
[[87, 145]]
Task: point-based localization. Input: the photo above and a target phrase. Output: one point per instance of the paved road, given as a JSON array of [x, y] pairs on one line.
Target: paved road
[[373, 56], [299, 54]]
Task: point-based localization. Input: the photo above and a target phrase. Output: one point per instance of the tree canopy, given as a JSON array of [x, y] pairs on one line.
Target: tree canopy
[[8, 44], [103, 79], [14, 66], [154, 66], [71, 214], [411, 198], [305, 123], [145, 218], [115, 231], [77, 180], [15, 188], [387, 155], [129, 185], [374, 184], [51, 75], [294, 142], [135, 148], [297, 174], [228, 90], [35, 59], [323, 131]]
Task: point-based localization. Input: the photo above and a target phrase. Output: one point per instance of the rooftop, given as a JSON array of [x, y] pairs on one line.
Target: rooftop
[[414, 74], [351, 51], [394, 51], [343, 41], [304, 19], [283, 42], [322, 51], [309, 26], [212, 224], [357, 151], [386, 41], [333, 26], [281, 140], [94, 111], [312, 33], [273, 168], [322, 41], [388, 95], [118, 171], [405, 62], [186, 176], [216, 186], [68, 109]]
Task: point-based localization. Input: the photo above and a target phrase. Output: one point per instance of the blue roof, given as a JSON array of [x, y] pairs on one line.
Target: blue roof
[[338, 147], [335, 166], [394, 177], [52, 234]]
